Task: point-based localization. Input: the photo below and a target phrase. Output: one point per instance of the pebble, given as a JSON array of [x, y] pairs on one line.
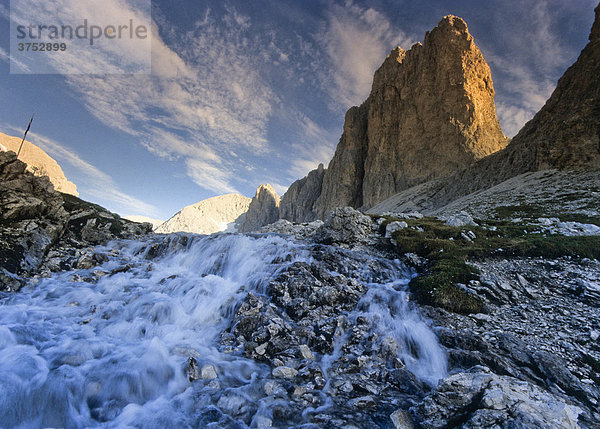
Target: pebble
[[284, 372]]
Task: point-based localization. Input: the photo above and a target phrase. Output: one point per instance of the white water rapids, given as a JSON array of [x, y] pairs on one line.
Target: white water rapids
[[113, 353]]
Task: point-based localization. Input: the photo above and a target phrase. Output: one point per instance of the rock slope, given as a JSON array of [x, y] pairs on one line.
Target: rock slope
[[434, 102], [533, 194], [531, 360], [263, 209], [208, 216], [39, 163], [298, 203]]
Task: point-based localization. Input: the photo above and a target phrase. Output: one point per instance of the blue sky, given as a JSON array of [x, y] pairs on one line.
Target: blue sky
[[249, 92]]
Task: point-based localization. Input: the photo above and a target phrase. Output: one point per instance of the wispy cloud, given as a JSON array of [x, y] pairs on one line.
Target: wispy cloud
[[316, 145], [20, 65], [356, 40], [204, 100], [527, 62], [93, 181]]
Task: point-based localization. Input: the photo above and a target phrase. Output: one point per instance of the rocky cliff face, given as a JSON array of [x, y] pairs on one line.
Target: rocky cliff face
[[208, 216], [39, 163], [430, 112], [298, 203], [263, 209], [32, 218], [42, 229], [563, 135]]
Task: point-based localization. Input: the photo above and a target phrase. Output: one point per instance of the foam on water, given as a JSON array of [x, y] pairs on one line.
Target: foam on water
[[113, 353]]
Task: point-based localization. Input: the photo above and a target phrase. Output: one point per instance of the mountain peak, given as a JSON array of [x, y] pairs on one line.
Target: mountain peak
[[434, 102], [208, 216], [263, 209], [595, 33]]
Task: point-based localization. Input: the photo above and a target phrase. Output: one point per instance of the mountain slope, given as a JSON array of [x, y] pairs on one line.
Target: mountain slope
[[39, 163], [263, 209], [207, 216]]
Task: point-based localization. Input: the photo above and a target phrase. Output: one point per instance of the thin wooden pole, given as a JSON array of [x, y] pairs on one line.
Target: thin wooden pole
[[25, 135]]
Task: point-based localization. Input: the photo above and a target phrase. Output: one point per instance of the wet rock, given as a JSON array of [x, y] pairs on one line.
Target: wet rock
[[305, 352], [208, 372], [193, 370], [362, 402], [401, 420], [479, 398], [345, 225], [260, 422], [284, 372]]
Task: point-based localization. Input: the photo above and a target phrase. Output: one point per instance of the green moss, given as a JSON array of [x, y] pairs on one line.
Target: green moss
[[531, 211], [447, 250], [439, 287]]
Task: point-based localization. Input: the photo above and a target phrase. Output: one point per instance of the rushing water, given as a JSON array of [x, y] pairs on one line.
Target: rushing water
[[113, 352]]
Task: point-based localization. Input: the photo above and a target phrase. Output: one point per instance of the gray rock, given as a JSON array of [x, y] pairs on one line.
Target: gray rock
[[362, 402], [284, 372], [209, 372], [480, 398], [306, 352], [345, 225], [298, 202], [461, 219], [401, 420], [392, 227], [263, 210]]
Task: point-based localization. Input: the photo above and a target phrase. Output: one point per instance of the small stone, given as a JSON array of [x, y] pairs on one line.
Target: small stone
[[401, 420], [99, 273], [392, 227], [262, 422], [306, 352], [192, 369], [362, 402], [481, 317], [300, 390], [271, 387], [347, 387], [284, 372], [260, 350], [594, 335], [208, 372], [460, 219]]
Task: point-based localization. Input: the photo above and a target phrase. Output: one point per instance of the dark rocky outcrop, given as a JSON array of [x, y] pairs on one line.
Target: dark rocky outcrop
[[34, 218], [298, 203], [263, 209]]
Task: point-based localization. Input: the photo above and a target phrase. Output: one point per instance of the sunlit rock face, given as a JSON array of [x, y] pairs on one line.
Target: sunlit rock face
[[430, 112], [208, 216]]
